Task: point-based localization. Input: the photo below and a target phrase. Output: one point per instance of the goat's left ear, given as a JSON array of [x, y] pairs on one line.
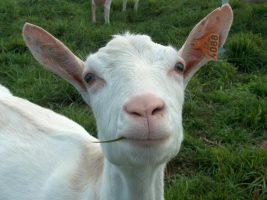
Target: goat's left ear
[[205, 39]]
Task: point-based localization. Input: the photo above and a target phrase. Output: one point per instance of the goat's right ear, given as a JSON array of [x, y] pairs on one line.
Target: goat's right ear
[[205, 40], [54, 55]]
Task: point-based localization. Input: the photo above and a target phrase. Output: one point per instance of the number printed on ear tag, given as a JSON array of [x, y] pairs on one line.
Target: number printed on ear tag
[[209, 45]]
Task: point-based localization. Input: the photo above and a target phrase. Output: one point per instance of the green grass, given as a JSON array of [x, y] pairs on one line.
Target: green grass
[[224, 154]]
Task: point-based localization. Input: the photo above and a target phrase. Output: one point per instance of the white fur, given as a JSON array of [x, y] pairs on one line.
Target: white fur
[[42, 153], [4, 91], [107, 4], [47, 156]]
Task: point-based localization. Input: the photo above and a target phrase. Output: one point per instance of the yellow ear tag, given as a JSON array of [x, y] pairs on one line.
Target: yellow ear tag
[[209, 45]]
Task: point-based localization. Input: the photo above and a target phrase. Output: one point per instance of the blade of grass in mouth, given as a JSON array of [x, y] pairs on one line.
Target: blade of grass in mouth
[[109, 141]]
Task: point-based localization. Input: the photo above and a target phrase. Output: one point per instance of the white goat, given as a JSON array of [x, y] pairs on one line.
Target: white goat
[[136, 90], [107, 4]]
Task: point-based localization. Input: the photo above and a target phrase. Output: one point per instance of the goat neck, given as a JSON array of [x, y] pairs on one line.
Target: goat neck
[[131, 183]]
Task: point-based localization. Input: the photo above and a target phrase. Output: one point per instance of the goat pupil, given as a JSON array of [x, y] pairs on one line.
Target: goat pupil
[[179, 67], [90, 78]]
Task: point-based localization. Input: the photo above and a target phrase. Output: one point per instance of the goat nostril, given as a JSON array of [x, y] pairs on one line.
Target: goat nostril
[[158, 110], [132, 112], [136, 114]]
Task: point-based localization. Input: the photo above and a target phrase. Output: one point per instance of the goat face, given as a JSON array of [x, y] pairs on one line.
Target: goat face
[[134, 86], [137, 93]]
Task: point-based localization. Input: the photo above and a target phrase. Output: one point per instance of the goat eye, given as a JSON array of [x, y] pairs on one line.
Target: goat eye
[[179, 67], [90, 78]]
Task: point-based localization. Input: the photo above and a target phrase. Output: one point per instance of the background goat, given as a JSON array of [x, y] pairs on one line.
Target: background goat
[[136, 90], [107, 4]]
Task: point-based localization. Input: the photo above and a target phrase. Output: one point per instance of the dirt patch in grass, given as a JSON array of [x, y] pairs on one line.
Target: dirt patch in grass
[[211, 143], [262, 144]]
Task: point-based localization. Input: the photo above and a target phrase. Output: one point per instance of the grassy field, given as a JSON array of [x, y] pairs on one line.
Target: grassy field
[[224, 155]]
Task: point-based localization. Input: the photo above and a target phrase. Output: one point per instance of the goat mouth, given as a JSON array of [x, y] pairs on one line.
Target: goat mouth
[[146, 142], [134, 140], [137, 141]]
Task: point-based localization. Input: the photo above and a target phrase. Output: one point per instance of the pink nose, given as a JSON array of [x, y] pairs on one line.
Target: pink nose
[[146, 106]]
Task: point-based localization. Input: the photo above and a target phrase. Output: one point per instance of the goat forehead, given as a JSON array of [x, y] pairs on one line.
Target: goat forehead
[[129, 50]]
